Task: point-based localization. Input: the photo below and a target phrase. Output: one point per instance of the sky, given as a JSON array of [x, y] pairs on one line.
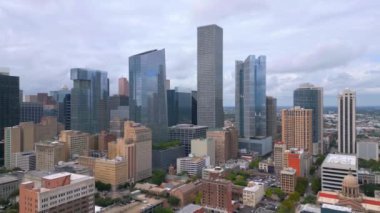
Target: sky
[[332, 44]]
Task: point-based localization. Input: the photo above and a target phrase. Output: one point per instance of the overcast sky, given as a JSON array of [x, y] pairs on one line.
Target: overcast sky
[[333, 44]]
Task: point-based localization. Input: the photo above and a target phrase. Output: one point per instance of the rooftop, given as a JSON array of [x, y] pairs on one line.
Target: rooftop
[[7, 179], [187, 126], [338, 208], [288, 171], [341, 159], [190, 208]]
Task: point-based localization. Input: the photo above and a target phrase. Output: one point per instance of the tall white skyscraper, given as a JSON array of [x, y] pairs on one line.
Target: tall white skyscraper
[[346, 122], [210, 76]]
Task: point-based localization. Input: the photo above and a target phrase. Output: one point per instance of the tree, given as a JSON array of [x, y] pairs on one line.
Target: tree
[[320, 160], [158, 176], [100, 186], [174, 201], [312, 170], [198, 198], [279, 193], [309, 199], [316, 185], [369, 189], [301, 185], [162, 210], [269, 192], [295, 197], [254, 164]]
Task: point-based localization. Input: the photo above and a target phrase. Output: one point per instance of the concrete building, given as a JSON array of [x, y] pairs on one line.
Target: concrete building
[[114, 172], [252, 194], [185, 133], [213, 173], [76, 143], [103, 139], [210, 76], [204, 147], [163, 158], [226, 143], [8, 185], [347, 122], [368, 150], [123, 86], [271, 104], [308, 96], [48, 154], [297, 128], [298, 160], [117, 127], [31, 112], [278, 154], [24, 160], [217, 195], [187, 192], [192, 165], [267, 166], [61, 192], [334, 168], [288, 180], [262, 146]]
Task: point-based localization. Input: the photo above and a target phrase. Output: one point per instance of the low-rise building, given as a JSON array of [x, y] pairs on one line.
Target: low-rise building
[[252, 194], [288, 180], [266, 166], [48, 154], [217, 195], [187, 192], [192, 165], [8, 185], [24, 160], [261, 145]]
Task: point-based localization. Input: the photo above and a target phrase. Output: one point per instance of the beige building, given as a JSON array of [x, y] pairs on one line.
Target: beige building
[[278, 155], [204, 147], [288, 180], [21, 138], [297, 128], [113, 171], [76, 143], [48, 154], [226, 143], [252, 194]]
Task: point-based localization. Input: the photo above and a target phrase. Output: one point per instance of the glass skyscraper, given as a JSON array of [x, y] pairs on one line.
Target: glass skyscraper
[[250, 97], [89, 97], [147, 94], [180, 106], [210, 76], [308, 96]]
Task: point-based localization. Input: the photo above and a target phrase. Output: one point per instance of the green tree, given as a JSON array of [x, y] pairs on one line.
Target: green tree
[[301, 185], [100, 186], [162, 210], [174, 201], [320, 160], [254, 164], [309, 199], [269, 192], [369, 189], [198, 198], [279, 193], [316, 185], [295, 197], [312, 170], [158, 176]]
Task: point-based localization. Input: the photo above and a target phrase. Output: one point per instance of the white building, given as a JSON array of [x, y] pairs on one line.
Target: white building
[[346, 122], [192, 165], [334, 168], [210, 173], [368, 150], [252, 194], [204, 147], [24, 160]]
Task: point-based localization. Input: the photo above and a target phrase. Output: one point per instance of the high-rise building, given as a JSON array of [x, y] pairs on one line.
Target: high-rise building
[[278, 154], [48, 154], [226, 143], [271, 104], [123, 87], [76, 143], [31, 112], [288, 180], [61, 192], [217, 195], [9, 102], [308, 96], [179, 107], [297, 128], [113, 171], [298, 160], [185, 133], [89, 100], [67, 111], [210, 76], [24, 160], [347, 122], [250, 97], [204, 147], [59, 97], [147, 75], [194, 109]]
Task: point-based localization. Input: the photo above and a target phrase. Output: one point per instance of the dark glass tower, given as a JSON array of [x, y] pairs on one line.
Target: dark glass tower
[[147, 94], [9, 102], [89, 100], [180, 107]]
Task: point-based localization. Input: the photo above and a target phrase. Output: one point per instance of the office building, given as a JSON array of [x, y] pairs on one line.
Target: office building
[[226, 143], [116, 101], [191, 165], [9, 101], [26, 161], [163, 158], [112, 171], [194, 107], [31, 112], [334, 168], [61, 192], [250, 97], [21, 138], [117, 127], [89, 100], [347, 122], [123, 87], [210, 76], [67, 112], [368, 150], [8, 185], [252, 194], [298, 160], [217, 195], [59, 98], [179, 106], [213, 173], [260, 145], [288, 180], [48, 154], [148, 103], [308, 96], [185, 133], [103, 139], [121, 112], [271, 105], [297, 128], [204, 147], [76, 143], [278, 154]]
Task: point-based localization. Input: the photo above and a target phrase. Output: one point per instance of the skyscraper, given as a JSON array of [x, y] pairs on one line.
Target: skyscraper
[[210, 76], [123, 87], [250, 97], [271, 117], [147, 78], [9, 102], [89, 96], [179, 106], [30, 111], [308, 96], [67, 112], [346, 122]]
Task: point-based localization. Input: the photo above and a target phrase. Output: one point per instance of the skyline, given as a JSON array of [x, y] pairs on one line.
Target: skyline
[[102, 36]]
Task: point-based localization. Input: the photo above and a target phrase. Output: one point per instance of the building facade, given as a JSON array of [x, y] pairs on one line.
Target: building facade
[[147, 75], [185, 133], [191, 165], [204, 147], [24, 160], [368, 150], [278, 155], [114, 172], [252, 194], [226, 143], [217, 195], [31, 112], [76, 143], [210, 76], [288, 180], [271, 104], [123, 87], [48, 154], [179, 106], [347, 122]]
